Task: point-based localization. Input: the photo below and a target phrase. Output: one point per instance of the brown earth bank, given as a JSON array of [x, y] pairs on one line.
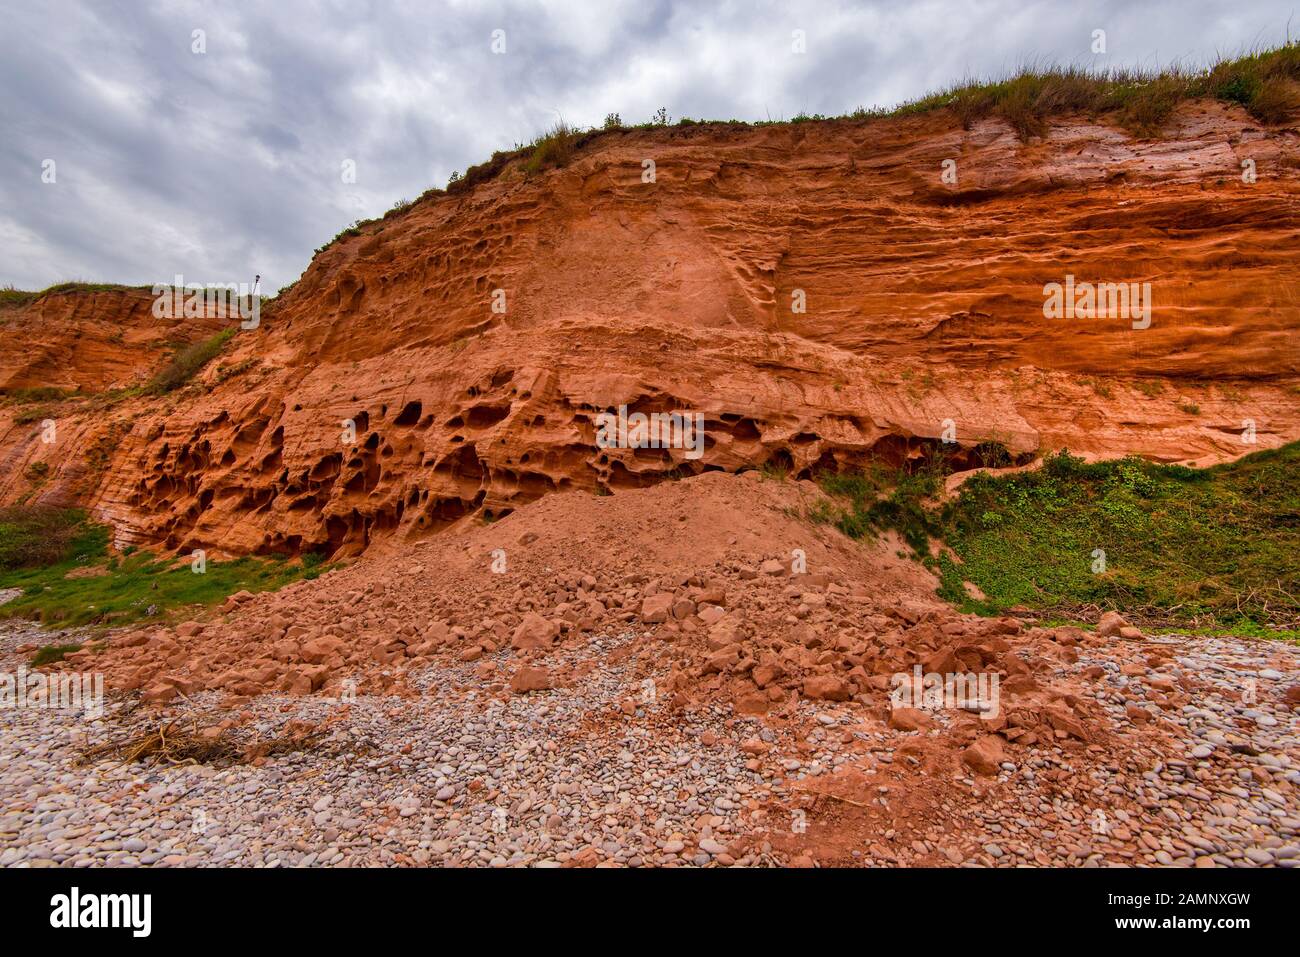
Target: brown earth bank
[[924, 315]]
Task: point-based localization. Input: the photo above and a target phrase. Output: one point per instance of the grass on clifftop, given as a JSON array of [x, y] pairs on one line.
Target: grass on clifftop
[[1215, 548], [40, 547], [9, 296], [1265, 82]]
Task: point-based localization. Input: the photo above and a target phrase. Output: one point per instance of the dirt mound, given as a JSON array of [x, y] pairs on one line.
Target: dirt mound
[[733, 597]]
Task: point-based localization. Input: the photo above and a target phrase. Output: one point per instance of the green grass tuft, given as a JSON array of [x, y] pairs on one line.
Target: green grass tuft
[[48, 654], [46, 393], [552, 150]]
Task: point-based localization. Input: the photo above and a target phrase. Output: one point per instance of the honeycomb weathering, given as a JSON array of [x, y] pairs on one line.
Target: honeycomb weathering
[[924, 310]]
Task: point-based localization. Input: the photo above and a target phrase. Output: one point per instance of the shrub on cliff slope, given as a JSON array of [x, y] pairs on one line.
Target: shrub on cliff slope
[[189, 361], [46, 393], [42, 535], [883, 498], [552, 149]]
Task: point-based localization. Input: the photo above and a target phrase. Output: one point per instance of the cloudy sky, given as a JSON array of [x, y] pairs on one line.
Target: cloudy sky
[[220, 154]]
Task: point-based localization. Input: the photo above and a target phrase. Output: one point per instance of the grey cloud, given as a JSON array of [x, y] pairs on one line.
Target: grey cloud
[[225, 164]]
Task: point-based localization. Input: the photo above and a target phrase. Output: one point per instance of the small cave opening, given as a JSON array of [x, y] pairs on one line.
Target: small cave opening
[[410, 413], [485, 416], [781, 460]]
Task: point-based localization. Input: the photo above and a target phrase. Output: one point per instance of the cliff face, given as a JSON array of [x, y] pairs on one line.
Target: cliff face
[[90, 341], [816, 290]]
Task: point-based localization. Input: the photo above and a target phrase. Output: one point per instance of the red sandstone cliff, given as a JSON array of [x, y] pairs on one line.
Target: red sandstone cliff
[[924, 306]]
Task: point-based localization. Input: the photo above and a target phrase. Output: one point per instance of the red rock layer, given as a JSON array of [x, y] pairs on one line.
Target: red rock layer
[[90, 341]]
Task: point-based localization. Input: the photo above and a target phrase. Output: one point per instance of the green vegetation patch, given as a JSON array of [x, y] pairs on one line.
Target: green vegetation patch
[[1264, 82], [40, 549], [33, 413], [45, 393], [1199, 547], [48, 654], [9, 296], [188, 361], [883, 498], [36, 536], [553, 149]]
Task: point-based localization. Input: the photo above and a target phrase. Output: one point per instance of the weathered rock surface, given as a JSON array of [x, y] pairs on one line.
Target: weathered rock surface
[[813, 290]]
